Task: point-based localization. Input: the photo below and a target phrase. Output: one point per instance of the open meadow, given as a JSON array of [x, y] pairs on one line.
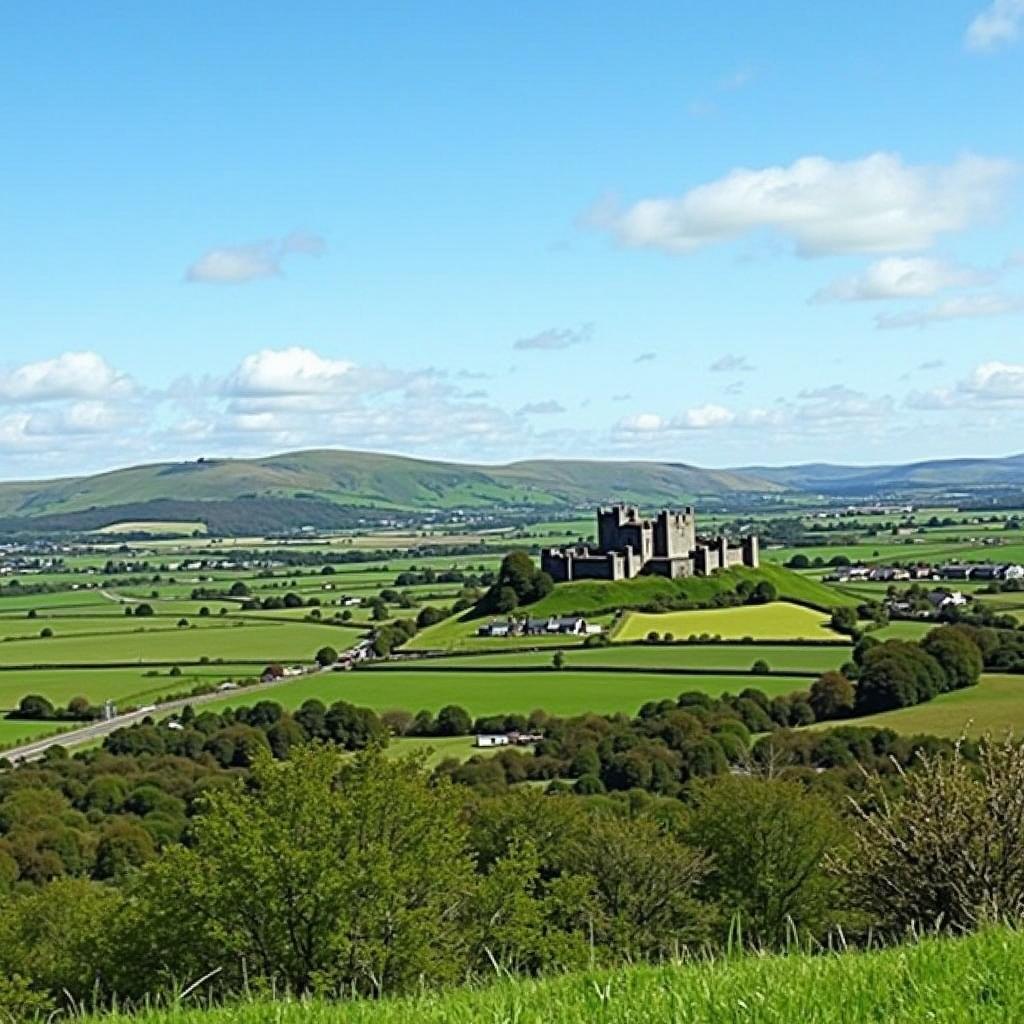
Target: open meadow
[[489, 693], [995, 706], [776, 621]]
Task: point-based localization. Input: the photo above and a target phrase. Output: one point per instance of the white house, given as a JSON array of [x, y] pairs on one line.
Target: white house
[[492, 740]]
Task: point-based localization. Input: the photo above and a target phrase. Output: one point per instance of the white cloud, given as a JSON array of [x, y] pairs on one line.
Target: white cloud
[[704, 417], [964, 307], [67, 376], [900, 277], [876, 204], [556, 338], [642, 423], [995, 381], [997, 24], [239, 264], [288, 371]]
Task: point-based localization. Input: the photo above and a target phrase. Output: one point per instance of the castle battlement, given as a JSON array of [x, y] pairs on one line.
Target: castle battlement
[[628, 545]]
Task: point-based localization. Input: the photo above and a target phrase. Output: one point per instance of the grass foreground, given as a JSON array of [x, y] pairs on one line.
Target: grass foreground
[[976, 980]]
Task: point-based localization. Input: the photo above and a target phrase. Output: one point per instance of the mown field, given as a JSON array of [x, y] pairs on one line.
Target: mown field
[[776, 621], [974, 980], [118, 684], [561, 693], [995, 705], [739, 657]]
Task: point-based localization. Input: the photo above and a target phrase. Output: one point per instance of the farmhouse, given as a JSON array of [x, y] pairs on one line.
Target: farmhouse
[[492, 740], [570, 625], [629, 545]]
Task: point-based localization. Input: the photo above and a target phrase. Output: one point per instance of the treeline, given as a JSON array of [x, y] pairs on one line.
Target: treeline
[[35, 708], [366, 876]]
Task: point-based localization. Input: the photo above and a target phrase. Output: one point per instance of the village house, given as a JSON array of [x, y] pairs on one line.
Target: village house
[[568, 625], [940, 599]]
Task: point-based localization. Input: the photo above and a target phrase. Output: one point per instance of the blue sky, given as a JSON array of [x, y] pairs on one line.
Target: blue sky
[[719, 234]]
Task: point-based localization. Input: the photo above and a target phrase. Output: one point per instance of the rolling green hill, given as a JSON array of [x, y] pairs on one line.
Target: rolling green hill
[[353, 482], [333, 489]]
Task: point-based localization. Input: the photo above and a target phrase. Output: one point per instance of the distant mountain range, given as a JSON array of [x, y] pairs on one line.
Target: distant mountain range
[[337, 488]]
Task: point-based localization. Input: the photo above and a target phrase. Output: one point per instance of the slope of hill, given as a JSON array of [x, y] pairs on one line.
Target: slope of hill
[[328, 488], [598, 595], [948, 981], [935, 474], [356, 481]]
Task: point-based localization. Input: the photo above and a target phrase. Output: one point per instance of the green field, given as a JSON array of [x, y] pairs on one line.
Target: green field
[[739, 657], [560, 693], [14, 733], [974, 980], [775, 621], [117, 684], [995, 705], [236, 641], [903, 630]]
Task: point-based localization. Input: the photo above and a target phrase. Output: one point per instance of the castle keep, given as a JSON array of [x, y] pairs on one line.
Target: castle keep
[[629, 545]]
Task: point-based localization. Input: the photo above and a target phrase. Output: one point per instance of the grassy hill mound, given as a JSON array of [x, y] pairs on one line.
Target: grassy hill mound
[[946, 981], [597, 596]]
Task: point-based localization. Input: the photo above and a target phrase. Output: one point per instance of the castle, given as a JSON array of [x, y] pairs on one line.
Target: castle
[[629, 545]]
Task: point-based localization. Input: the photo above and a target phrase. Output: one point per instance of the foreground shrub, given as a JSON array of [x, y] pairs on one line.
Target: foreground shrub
[[948, 852]]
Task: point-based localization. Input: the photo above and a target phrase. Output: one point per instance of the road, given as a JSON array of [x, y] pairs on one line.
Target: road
[[97, 730]]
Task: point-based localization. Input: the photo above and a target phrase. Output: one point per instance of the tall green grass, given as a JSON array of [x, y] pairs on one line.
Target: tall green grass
[[975, 980]]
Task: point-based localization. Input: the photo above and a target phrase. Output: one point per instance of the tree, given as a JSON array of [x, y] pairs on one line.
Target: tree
[[799, 561], [143, 610], [122, 846], [946, 852], [764, 593], [832, 695], [428, 616], [558, 660], [326, 656], [958, 655], [768, 840], [453, 720], [518, 582], [33, 707], [896, 674], [331, 873], [844, 620]]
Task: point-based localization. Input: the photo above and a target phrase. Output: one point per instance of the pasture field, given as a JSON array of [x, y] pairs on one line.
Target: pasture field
[[437, 748], [735, 657], [107, 625], [231, 641], [117, 684], [560, 693], [13, 733], [903, 630], [775, 621], [995, 705]]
